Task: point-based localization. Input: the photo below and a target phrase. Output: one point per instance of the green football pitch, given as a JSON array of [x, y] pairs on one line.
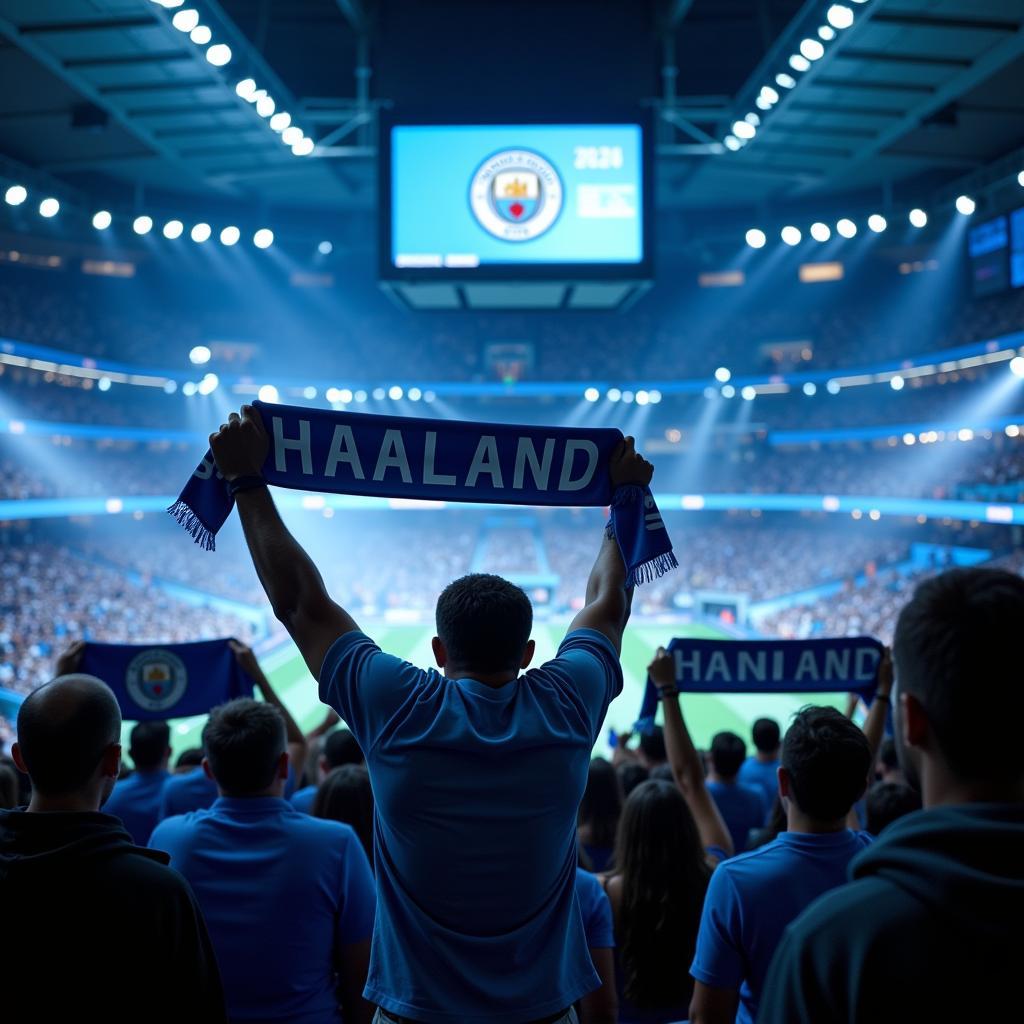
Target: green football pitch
[[706, 714]]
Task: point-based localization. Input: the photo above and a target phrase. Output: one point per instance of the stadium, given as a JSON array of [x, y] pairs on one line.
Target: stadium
[[446, 256]]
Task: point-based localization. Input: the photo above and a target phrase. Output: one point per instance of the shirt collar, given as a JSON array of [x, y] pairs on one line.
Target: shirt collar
[[256, 805]]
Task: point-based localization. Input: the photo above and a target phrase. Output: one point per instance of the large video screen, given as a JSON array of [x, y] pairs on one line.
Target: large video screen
[[465, 197], [988, 246]]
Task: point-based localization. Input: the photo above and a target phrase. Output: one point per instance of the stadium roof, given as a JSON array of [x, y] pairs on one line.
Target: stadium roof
[[915, 93]]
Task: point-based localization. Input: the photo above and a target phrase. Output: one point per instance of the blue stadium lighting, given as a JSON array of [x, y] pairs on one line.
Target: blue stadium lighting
[[199, 355], [723, 375], [1020, 179], [839, 16], [655, 396], [827, 33], [209, 384], [918, 218], [821, 232], [201, 232], [268, 393], [877, 223], [395, 393], [101, 220], [291, 135], [728, 391], [265, 105], [614, 395], [812, 49], [761, 103], [304, 147], [642, 398], [201, 35], [897, 383], [748, 393], [173, 229], [833, 387], [325, 248], [246, 88], [710, 392], [627, 397], [230, 235], [309, 393], [16, 195], [280, 121], [103, 384], [753, 119], [1017, 366], [429, 396], [188, 388], [810, 388], [756, 238], [591, 394], [965, 205], [743, 129], [769, 94], [414, 394], [846, 228], [799, 63], [219, 54], [785, 80], [263, 239], [49, 207], [379, 394], [360, 396], [186, 20], [170, 386], [168, 4], [345, 396], [142, 225], [791, 235]]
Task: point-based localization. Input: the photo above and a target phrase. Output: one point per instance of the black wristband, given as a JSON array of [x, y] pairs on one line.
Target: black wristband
[[245, 483], [883, 696]]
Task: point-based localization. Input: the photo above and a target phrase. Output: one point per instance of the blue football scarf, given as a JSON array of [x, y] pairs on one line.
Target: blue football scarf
[[842, 664], [399, 457], [153, 681]]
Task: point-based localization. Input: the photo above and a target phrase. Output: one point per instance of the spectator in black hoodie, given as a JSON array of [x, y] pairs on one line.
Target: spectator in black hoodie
[[73, 887], [929, 929]]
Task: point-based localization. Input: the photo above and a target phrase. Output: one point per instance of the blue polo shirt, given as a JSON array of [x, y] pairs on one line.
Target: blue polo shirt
[[741, 807], [477, 790], [762, 776], [281, 894], [193, 791], [137, 801], [596, 911], [302, 799], [752, 898]]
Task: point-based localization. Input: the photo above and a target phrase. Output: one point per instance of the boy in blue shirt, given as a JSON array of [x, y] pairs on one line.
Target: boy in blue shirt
[[762, 769], [137, 799], [288, 899], [741, 806], [753, 897], [477, 772]]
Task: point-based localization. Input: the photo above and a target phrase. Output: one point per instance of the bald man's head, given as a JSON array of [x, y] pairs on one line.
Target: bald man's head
[[64, 729]]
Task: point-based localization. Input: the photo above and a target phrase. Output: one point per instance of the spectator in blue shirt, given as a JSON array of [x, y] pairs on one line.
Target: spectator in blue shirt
[[137, 799], [762, 769], [339, 748], [599, 813], [825, 764], [346, 796], [741, 806], [288, 898], [602, 1005], [477, 772]]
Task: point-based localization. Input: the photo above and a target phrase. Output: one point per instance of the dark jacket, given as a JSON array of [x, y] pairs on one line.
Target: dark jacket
[[928, 930], [95, 928]]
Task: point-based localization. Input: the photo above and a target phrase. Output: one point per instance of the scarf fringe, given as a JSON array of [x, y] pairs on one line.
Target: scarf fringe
[[648, 572], [193, 524]]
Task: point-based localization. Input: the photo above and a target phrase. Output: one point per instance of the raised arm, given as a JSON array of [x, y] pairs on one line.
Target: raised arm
[[874, 723], [291, 580], [685, 762], [608, 600]]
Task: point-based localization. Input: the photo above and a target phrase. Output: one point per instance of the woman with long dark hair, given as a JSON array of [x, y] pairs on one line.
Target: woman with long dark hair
[[599, 813], [669, 839], [345, 796]]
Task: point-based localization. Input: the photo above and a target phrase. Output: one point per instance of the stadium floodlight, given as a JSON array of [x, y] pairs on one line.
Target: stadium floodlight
[[1017, 366], [642, 398], [909, 439], [918, 218], [965, 205], [199, 355], [723, 375], [1012, 430], [379, 394], [345, 396], [654, 396], [208, 384], [16, 195], [799, 63], [744, 130], [762, 103], [839, 16], [265, 105], [770, 94], [1020, 179], [201, 35], [810, 388], [833, 387], [786, 81], [756, 238], [173, 229], [280, 121], [732, 143], [304, 146], [103, 384], [749, 393], [965, 434], [877, 223], [710, 392], [591, 394], [360, 396], [200, 232], [846, 228], [429, 396], [826, 32], [170, 386], [325, 248], [627, 397], [230, 235], [752, 118], [186, 20], [263, 239], [614, 394], [821, 232], [395, 393], [142, 225], [188, 389], [101, 220], [812, 49], [728, 391], [309, 393], [246, 88], [168, 3], [414, 394], [49, 207], [219, 54], [332, 395], [791, 235], [897, 383], [268, 393], [291, 135]]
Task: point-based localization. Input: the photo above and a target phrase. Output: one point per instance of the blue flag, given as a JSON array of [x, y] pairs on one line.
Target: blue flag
[[403, 457], [840, 664], [153, 681]]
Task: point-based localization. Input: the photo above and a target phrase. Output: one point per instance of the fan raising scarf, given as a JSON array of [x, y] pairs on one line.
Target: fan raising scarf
[[398, 457]]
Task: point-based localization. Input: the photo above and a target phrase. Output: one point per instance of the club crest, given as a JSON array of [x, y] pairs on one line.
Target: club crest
[[156, 679], [516, 195]]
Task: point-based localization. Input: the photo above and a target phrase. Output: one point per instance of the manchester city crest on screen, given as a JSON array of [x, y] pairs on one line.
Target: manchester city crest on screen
[[516, 195], [156, 679]]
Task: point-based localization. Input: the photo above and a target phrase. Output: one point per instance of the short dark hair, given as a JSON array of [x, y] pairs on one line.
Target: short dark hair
[[887, 754], [148, 744], [956, 649], [244, 740], [888, 801], [64, 728], [190, 758], [728, 752], [631, 775], [828, 759], [602, 802], [340, 748], [652, 743], [484, 623], [766, 735], [346, 796]]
